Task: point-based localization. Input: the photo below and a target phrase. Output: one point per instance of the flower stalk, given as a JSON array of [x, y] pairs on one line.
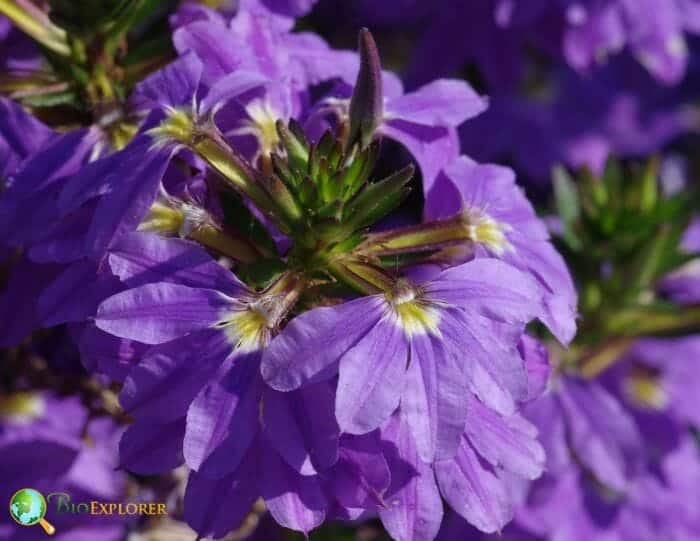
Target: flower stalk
[[36, 24]]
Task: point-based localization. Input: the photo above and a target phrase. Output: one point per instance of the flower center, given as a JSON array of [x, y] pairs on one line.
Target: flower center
[[249, 329], [644, 388], [21, 407], [170, 217], [411, 311], [263, 118], [483, 229]]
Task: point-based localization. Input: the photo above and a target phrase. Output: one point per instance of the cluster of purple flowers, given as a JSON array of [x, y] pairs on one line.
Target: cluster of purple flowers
[[228, 246], [570, 81]]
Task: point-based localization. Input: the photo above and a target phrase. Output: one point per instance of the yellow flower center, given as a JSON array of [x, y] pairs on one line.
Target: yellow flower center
[[411, 311], [21, 407], [162, 218], [483, 229], [644, 387], [263, 118], [249, 329]]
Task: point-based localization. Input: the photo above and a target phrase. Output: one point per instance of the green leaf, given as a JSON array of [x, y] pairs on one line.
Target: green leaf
[[378, 199], [54, 99], [261, 273], [568, 206], [655, 320], [297, 149], [566, 196], [649, 189], [240, 218], [357, 173]]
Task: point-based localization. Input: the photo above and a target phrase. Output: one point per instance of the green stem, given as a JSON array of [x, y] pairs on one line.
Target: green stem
[[362, 276], [34, 22], [426, 237], [637, 322], [597, 361]]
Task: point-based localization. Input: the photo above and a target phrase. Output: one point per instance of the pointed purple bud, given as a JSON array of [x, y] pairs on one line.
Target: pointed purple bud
[[366, 104]]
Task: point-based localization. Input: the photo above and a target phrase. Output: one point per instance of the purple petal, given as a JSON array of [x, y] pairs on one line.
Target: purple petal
[[143, 258], [432, 147], [93, 180], [106, 354], [547, 415], [18, 312], [536, 357], [505, 442], [213, 508], [444, 102], [290, 8], [372, 378], [301, 426], [21, 135], [414, 507], [27, 206], [559, 293], [362, 474], [174, 85], [211, 41], [62, 157], [126, 203], [222, 421], [492, 288], [229, 87], [309, 348], [147, 448], [602, 31], [295, 501], [75, 294], [103, 532], [474, 491], [157, 313], [434, 403], [486, 188], [65, 242], [318, 62], [169, 376], [23, 460], [601, 433], [494, 369]]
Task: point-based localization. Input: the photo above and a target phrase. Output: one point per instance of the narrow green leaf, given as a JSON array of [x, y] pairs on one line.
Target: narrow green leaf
[[378, 199], [238, 216]]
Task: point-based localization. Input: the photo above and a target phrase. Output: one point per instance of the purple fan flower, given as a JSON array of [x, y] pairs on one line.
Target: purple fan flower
[[503, 224], [617, 109], [580, 422], [198, 394], [494, 34], [610, 444], [659, 375], [41, 446], [289, 64], [119, 190], [426, 347], [475, 482], [570, 506]]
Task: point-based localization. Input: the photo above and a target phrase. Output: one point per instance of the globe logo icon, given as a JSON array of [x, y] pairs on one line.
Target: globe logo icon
[[28, 508]]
